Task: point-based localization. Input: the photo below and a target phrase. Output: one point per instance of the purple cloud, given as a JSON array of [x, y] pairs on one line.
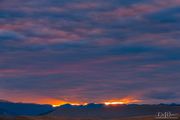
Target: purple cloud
[[89, 51]]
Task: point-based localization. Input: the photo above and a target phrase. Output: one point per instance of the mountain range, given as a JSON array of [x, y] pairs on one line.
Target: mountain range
[[113, 111], [16, 109], [29, 111]]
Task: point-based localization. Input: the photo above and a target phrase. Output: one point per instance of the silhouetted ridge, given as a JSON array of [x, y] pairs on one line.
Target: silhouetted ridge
[[15, 109], [93, 105], [112, 111], [66, 106]]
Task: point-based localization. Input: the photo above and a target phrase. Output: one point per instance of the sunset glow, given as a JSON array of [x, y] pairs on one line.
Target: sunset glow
[[96, 51], [113, 103], [72, 103], [128, 100]]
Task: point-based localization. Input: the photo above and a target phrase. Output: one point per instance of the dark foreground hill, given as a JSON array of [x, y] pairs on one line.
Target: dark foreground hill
[[109, 112], [16, 109], [19, 111]]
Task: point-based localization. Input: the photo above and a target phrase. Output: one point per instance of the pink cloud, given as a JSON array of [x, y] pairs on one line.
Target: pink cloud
[[17, 25], [53, 36], [83, 5], [160, 39], [20, 72], [105, 42], [135, 10], [89, 31]]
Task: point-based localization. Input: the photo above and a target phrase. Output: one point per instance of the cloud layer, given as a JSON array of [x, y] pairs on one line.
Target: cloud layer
[[90, 51]]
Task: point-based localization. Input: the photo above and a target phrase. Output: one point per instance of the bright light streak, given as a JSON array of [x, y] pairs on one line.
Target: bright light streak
[[113, 103]]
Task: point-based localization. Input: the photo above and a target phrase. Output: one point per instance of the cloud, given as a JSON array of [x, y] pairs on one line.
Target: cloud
[[162, 95], [134, 10], [90, 50], [6, 35]]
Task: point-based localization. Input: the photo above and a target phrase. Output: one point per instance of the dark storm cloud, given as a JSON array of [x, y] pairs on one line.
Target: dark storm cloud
[[80, 49]]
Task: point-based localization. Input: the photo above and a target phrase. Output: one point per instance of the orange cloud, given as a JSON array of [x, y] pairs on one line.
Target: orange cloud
[[127, 100]]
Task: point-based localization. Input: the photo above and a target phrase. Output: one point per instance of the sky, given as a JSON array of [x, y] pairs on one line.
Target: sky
[[82, 51]]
